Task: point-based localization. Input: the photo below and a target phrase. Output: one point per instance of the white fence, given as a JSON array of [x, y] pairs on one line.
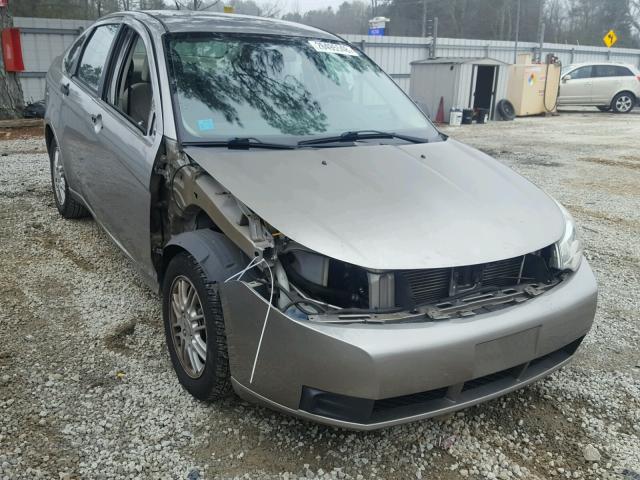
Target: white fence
[[43, 39]]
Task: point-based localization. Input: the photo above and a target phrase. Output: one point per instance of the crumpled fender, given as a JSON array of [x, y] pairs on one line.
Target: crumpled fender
[[218, 256]]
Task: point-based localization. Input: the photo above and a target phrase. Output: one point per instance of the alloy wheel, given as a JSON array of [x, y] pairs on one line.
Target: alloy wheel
[[59, 180], [624, 103], [188, 328]]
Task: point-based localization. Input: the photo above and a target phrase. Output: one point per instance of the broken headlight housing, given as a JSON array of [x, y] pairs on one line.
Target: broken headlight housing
[[567, 252]]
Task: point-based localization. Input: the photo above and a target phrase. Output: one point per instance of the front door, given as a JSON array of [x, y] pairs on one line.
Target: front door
[[484, 87], [576, 87], [129, 138]]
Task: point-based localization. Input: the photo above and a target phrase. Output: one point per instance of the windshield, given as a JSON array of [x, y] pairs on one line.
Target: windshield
[[283, 89]]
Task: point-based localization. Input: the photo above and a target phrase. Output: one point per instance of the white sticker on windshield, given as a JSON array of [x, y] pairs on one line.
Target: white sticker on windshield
[[329, 47]]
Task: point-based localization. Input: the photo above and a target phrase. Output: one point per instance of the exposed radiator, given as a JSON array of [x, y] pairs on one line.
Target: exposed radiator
[[429, 286], [502, 273]]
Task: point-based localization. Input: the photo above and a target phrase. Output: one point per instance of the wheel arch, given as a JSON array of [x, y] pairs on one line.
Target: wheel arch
[[218, 256], [625, 90]]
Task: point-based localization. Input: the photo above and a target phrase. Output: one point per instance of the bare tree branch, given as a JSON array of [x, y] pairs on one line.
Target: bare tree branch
[[634, 14], [195, 4], [271, 9]]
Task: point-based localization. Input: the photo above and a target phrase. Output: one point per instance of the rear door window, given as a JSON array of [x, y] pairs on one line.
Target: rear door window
[[611, 71], [72, 54], [94, 58]]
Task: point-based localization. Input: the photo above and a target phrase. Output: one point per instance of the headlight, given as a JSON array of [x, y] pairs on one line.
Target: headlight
[[567, 252]]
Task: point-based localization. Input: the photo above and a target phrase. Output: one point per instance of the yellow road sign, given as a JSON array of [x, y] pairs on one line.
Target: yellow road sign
[[228, 9], [610, 38]]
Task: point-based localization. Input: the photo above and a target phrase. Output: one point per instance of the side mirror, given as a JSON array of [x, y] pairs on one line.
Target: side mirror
[[566, 77]]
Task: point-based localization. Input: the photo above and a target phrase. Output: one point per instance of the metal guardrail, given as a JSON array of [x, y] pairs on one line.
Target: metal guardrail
[[43, 39]]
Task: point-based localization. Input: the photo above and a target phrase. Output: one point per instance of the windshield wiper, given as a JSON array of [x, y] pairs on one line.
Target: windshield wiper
[[362, 135], [241, 143]]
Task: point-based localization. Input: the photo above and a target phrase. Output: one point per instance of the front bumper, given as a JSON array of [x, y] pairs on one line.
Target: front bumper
[[402, 372]]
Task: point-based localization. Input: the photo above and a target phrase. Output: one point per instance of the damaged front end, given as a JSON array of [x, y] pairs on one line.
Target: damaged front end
[[321, 289], [306, 285], [306, 331]]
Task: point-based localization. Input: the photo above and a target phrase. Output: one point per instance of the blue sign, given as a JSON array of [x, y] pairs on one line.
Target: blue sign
[[376, 32]]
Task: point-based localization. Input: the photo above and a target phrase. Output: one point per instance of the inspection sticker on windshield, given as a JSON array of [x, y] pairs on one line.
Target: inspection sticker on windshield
[[328, 47], [206, 124]]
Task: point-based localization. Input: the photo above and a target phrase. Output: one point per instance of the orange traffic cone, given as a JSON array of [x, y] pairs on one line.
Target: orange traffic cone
[[440, 114]]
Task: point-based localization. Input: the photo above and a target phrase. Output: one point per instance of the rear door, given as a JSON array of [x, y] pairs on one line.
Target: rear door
[[77, 139], [607, 81], [128, 139], [58, 105], [576, 87]]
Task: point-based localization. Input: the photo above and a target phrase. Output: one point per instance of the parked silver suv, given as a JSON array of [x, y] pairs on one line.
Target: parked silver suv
[[608, 86], [320, 247]]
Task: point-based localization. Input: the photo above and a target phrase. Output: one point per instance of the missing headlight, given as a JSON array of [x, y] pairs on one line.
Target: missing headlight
[[325, 279]]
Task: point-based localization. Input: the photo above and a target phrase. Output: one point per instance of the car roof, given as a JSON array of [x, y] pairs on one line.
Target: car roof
[[191, 21], [588, 64]]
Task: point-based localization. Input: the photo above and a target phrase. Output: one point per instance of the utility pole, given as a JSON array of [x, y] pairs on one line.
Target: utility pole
[[541, 43], [540, 28], [515, 48], [424, 18], [434, 38]]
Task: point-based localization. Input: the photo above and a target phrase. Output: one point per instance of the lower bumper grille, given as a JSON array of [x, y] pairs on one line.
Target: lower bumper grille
[[365, 411]]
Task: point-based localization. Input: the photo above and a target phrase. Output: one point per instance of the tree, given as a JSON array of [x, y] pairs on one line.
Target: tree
[[11, 97], [350, 17], [194, 4], [634, 15], [152, 4]]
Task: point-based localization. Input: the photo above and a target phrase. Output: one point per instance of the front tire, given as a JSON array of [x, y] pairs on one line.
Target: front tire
[[623, 102], [68, 206], [194, 329]]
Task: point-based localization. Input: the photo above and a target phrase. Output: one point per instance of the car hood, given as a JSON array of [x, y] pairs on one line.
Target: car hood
[[433, 205]]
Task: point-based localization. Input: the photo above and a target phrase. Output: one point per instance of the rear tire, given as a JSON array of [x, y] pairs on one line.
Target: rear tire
[[623, 102], [194, 329], [68, 206], [604, 108]]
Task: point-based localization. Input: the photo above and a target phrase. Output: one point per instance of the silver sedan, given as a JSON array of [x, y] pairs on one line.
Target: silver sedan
[[319, 246]]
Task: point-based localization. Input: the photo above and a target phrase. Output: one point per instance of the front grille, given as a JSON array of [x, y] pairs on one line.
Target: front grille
[[432, 285]]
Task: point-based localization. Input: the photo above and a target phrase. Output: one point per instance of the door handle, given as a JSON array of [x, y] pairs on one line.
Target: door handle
[[64, 88]]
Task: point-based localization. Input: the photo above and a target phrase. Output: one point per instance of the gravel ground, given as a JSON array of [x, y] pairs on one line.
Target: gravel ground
[[87, 389]]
